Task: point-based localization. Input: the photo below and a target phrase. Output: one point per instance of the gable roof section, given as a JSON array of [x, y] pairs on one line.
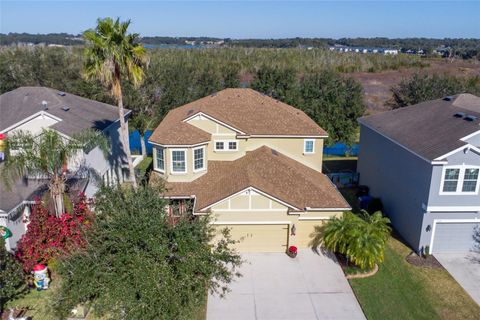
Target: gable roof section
[[266, 170], [21, 103], [244, 109], [429, 129]]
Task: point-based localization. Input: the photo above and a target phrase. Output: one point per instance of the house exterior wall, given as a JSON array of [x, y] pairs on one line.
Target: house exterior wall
[[291, 147], [399, 178], [251, 208], [470, 159]]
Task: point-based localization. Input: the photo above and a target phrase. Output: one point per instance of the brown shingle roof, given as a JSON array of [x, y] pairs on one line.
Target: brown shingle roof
[[243, 109], [429, 129], [266, 170]]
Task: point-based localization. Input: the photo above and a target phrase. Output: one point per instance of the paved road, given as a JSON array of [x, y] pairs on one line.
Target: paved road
[[274, 287], [465, 268]]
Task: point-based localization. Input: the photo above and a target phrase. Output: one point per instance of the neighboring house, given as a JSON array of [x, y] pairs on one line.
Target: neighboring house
[[423, 162], [34, 108], [253, 163]]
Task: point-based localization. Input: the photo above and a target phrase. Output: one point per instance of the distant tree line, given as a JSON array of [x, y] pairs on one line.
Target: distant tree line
[[467, 48]]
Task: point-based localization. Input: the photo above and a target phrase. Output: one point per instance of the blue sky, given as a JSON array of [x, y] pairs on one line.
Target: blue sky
[[252, 19]]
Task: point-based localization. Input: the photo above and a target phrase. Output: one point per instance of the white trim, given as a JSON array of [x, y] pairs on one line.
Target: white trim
[[435, 221], [250, 222], [204, 167], [305, 146], [247, 211], [214, 120], [226, 147], [250, 189], [178, 145], [314, 218], [155, 167], [31, 117], [453, 209], [466, 146], [461, 179], [327, 209], [171, 161], [470, 135], [281, 136]]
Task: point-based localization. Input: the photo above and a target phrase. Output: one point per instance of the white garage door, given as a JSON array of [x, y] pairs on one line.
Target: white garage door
[[455, 237]]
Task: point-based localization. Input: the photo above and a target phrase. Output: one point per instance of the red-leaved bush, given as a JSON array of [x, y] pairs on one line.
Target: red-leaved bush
[[49, 237]]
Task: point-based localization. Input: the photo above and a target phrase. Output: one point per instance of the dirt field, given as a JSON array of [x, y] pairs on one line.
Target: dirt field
[[377, 85]]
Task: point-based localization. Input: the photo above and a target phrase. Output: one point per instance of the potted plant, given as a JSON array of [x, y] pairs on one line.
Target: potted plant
[[292, 251]]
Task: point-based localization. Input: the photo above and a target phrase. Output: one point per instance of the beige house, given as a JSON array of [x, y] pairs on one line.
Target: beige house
[[251, 162]]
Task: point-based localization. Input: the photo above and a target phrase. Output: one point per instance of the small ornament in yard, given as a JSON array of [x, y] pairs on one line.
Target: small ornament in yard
[[41, 279], [5, 233], [292, 251]]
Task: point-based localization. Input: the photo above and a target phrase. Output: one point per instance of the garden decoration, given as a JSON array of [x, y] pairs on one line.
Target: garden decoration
[[3, 138], [5, 233], [292, 251], [41, 279]]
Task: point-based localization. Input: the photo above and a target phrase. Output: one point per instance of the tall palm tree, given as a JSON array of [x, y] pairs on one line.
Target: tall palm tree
[[46, 157], [113, 55]]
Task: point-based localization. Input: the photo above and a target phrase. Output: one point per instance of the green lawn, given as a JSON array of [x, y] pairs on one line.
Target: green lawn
[[402, 291]]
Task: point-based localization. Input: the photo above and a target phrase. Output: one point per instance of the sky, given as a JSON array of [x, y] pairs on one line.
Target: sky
[[252, 19]]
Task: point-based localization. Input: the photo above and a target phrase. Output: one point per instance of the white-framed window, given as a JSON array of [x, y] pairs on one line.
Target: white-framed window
[[308, 146], [160, 155], [199, 159], [225, 145], [179, 161], [460, 180]]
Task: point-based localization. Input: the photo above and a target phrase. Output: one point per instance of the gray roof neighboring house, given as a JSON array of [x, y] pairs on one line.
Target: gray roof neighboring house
[[430, 129], [76, 113]]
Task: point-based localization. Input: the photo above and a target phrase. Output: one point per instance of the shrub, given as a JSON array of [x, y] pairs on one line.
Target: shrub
[[361, 238], [139, 265], [49, 237], [12, 278]]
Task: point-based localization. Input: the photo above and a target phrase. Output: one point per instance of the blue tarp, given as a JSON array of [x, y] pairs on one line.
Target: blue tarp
[[341, 149], [135, 146]]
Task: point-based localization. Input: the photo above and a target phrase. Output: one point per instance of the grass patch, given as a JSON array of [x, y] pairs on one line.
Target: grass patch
[[36, 302], [403, 291]]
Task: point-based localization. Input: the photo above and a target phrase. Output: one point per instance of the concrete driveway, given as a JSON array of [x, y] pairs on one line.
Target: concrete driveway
[[465, 269], [274, 286]]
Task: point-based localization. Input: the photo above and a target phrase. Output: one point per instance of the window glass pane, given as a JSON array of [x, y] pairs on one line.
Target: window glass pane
[[451, 180], [470, 180], [219, 145], [232, 145], [178, 161], [160, 159], [198, 159], [308, 146]]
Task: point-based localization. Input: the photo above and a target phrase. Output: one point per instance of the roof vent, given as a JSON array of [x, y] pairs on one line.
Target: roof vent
[[189, 112], [448, 98], [274, 152], [214, 94], [65, 108], [470, 118], [61, 94], [459, 115], [45, 105]]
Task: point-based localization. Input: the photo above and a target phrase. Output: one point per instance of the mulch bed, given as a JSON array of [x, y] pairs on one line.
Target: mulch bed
[[342, 261], [425, 262]]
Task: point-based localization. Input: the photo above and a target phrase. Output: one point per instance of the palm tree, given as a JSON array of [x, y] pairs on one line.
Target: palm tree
[[112, 56], [47, 155], [361, 239]]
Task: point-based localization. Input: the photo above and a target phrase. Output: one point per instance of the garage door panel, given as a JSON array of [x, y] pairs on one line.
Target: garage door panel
[[258, 238], [454, 237]]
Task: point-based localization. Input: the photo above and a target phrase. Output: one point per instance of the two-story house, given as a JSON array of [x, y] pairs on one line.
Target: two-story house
[[34, 108], [423, 162], [254, 164]]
